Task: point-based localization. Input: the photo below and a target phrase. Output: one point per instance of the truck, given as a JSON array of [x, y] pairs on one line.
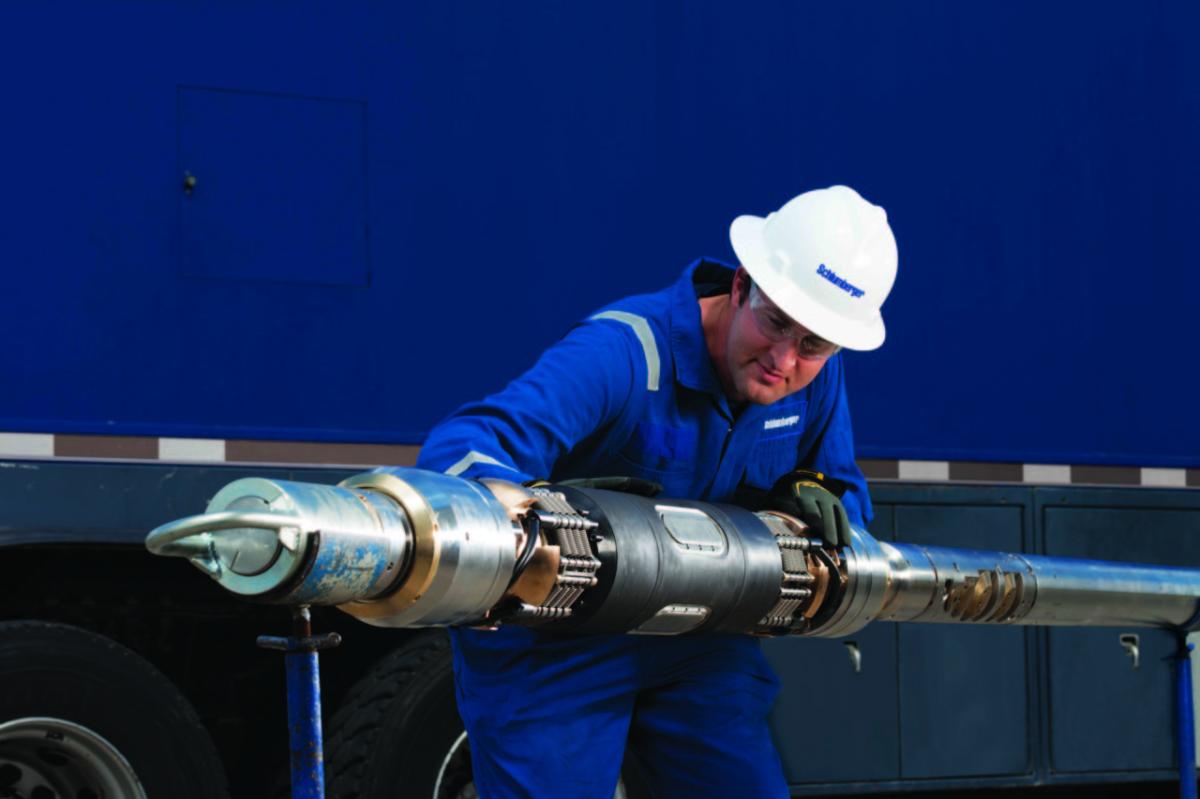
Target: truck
[[241, 240]]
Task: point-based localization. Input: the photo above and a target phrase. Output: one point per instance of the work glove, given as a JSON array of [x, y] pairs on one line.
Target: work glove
[[812, 497]]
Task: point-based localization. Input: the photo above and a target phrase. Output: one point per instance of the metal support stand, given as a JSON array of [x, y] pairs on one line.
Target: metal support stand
[[304, 701], [1185, 720]]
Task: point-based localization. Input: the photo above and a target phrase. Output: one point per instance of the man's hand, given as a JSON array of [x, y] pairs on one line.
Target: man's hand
[[810, 497]]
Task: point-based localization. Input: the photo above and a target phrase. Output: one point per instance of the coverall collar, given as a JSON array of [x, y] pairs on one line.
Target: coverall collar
[[689, 351]]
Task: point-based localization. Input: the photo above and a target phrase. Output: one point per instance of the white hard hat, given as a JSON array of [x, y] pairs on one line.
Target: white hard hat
[[828, 260]]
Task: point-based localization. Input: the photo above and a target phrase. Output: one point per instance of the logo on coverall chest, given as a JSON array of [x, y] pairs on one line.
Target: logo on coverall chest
[[783, 421]]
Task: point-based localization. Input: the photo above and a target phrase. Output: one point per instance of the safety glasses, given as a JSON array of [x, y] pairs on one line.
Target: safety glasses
[[775, 325]]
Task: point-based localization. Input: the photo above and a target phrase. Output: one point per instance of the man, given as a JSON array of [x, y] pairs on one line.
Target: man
[[716, 388]]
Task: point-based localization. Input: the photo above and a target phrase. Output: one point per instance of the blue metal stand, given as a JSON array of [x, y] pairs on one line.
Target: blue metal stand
[[1185, 722], [304, 702]]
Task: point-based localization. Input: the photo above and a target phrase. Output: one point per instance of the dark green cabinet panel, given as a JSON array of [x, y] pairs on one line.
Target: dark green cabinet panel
[[832, 724], [964, 703], [1104, 715]]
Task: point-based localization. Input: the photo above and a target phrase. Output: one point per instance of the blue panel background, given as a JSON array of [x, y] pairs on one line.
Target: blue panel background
[[302, 157], [526, 163]]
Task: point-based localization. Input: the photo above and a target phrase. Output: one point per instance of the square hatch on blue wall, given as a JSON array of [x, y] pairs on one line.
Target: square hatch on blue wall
[[272, 187]]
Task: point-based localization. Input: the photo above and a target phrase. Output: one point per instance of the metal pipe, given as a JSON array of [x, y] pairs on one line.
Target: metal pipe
[[942, 584], [405, 547], [305, 736], [1185, 719], [305, 739]]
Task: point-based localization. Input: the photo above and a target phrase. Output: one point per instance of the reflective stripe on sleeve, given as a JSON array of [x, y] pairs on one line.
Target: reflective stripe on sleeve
[[645, 335], [472, 458]]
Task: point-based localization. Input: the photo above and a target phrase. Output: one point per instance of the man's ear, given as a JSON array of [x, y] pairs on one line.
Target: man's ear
[[741, 286]]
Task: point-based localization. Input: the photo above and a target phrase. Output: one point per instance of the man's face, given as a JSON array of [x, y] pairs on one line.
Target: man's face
[[768, 355]]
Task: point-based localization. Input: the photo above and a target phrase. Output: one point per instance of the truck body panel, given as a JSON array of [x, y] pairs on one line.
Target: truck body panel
[[397, 207]]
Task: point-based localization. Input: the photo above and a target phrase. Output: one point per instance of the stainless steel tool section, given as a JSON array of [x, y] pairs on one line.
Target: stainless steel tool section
[[965, 585], [394, 547]]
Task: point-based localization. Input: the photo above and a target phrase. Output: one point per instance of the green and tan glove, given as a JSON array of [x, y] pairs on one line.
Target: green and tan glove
[[813, 498]]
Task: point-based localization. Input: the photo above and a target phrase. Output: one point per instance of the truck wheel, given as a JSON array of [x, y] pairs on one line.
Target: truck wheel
[[82, 716], [397, 733]]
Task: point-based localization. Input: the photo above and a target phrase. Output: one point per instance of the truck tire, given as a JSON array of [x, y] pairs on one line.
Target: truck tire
[[397, 732], [82, 716]]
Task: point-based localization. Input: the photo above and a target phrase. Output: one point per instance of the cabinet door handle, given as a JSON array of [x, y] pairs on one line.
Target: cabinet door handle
[[855, 655], [1130, 642]]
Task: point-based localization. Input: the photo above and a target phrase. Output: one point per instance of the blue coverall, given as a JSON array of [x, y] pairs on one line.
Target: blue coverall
[[632, 391]]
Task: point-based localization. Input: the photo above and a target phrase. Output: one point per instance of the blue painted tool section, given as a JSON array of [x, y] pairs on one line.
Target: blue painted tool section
[[398, 206]]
